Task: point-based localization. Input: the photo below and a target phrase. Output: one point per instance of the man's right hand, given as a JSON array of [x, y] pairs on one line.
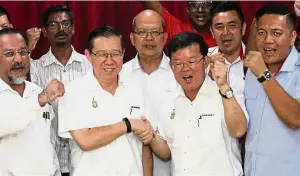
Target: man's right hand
[[142, 129], [33, 35], [54, 90]]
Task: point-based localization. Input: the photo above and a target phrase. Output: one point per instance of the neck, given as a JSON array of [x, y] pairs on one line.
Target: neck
[[150, 63], [273, 68], [191, 95], [233, 56], [18, 88], [203, 30], [108, 85], [62, 53]]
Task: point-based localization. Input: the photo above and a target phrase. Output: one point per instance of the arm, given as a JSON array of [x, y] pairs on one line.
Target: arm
[[153, 5], [92, 138], [235, 118], [147, 161], [286, 107], [33, 35], [160, 148]]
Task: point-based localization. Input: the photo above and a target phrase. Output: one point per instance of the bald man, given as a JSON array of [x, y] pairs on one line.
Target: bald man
[[150, 67]]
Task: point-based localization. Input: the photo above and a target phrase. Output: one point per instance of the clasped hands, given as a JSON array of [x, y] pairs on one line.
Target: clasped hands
[[143, 130]]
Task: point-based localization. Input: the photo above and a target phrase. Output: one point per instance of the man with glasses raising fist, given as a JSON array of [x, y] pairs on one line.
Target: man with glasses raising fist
[[61, 62], [198, 126], [198, 12]]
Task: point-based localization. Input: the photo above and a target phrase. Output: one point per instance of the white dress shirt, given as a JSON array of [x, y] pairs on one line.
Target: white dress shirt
[[86, 105], [25, 147], [155, 85], [197, 135], [42, 72]]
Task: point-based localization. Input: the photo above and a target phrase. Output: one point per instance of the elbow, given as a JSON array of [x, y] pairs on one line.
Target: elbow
[[84, 145], [166, 157], [293, 126], [239, 133]]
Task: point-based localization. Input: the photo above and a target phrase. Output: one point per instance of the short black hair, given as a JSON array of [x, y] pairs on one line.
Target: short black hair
[[54, 9], [277, 9], [225, 7], [104, 31], [4, 12], [7, 31], [185, 39]]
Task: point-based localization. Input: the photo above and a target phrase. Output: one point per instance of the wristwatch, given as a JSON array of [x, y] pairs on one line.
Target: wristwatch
[[227, 94], [265, 77]]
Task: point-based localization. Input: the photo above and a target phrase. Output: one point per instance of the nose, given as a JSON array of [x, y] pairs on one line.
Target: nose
[[200, 8], [149, 36], [225, 31], [269, 38], [60, 27], [109, 60]]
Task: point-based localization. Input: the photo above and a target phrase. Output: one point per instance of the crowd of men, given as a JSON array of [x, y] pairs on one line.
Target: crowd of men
[[185, 112]]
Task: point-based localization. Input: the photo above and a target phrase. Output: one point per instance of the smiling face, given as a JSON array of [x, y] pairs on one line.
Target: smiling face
[[14, 67], [148, 36], [274, 38], [198, 12], [228, 31], [192, 75], [107, 59]]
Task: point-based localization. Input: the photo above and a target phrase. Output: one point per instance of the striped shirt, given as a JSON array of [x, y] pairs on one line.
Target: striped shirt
[[42, 72]]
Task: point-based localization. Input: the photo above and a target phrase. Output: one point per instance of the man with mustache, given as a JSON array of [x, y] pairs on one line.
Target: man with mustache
[[61, 62], [150, 68], [25, 146], [198, 12], [272, 92]]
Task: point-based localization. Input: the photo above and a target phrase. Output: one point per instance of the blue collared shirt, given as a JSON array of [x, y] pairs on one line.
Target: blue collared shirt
[[272, 149]]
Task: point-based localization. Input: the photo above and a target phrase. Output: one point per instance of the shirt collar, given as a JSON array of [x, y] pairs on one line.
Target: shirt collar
[[208, 88], [93, 83], [164, 64], [291, 61], [28, 88], [52, 59]]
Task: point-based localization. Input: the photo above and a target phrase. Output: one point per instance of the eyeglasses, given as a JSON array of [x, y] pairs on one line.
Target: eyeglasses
[[23, 52], [103, 56], [56, 24], [197, 5], [178, 66], [145, 33]]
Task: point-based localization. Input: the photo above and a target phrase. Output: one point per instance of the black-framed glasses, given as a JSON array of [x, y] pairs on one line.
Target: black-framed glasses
[[116, 55], [197, 5], [145, 33], [56, 24], [178, 66], [23, 52]]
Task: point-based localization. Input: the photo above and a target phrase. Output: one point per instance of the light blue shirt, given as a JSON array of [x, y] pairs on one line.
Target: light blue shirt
[[272, 149]]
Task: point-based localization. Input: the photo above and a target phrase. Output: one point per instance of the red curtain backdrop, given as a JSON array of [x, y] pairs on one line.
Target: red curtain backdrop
[[91, 14]]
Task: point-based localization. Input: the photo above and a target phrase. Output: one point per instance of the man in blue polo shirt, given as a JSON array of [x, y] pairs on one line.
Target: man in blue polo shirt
[[272, 92]]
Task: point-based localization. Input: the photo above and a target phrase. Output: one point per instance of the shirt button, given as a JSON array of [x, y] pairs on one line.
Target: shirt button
[[65, 70]]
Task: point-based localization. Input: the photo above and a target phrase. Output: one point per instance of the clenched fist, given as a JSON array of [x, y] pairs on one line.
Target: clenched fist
[[255, 62], [33, 35], [54, 90], [219, 72]]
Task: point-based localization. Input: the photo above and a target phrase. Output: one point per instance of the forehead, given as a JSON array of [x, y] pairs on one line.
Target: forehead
[[224, 17], [187, 52], [12, 41], [107, 43], [272, 21], [59, 16], [146, 21]]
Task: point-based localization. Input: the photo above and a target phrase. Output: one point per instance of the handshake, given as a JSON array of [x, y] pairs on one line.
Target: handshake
[[142, 129]]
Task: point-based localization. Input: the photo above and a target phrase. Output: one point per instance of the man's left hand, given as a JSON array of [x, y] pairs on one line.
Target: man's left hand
[[219, 72]]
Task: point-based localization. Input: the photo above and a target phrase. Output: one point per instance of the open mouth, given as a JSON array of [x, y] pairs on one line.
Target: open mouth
[[108, 70], [187, 78], [227, 42], [149, 46], [269, 51]]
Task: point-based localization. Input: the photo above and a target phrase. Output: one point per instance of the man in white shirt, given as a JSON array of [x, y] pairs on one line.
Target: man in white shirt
[[150, 68], [25, 146], [101, 110], [198, 127], [61, 62], [228, 28]]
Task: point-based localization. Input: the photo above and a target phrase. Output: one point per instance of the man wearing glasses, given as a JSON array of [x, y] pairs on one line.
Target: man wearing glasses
[[198, 127], [61, 62], [102, 112], [25, 146], [150, 68], [198, 12]]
